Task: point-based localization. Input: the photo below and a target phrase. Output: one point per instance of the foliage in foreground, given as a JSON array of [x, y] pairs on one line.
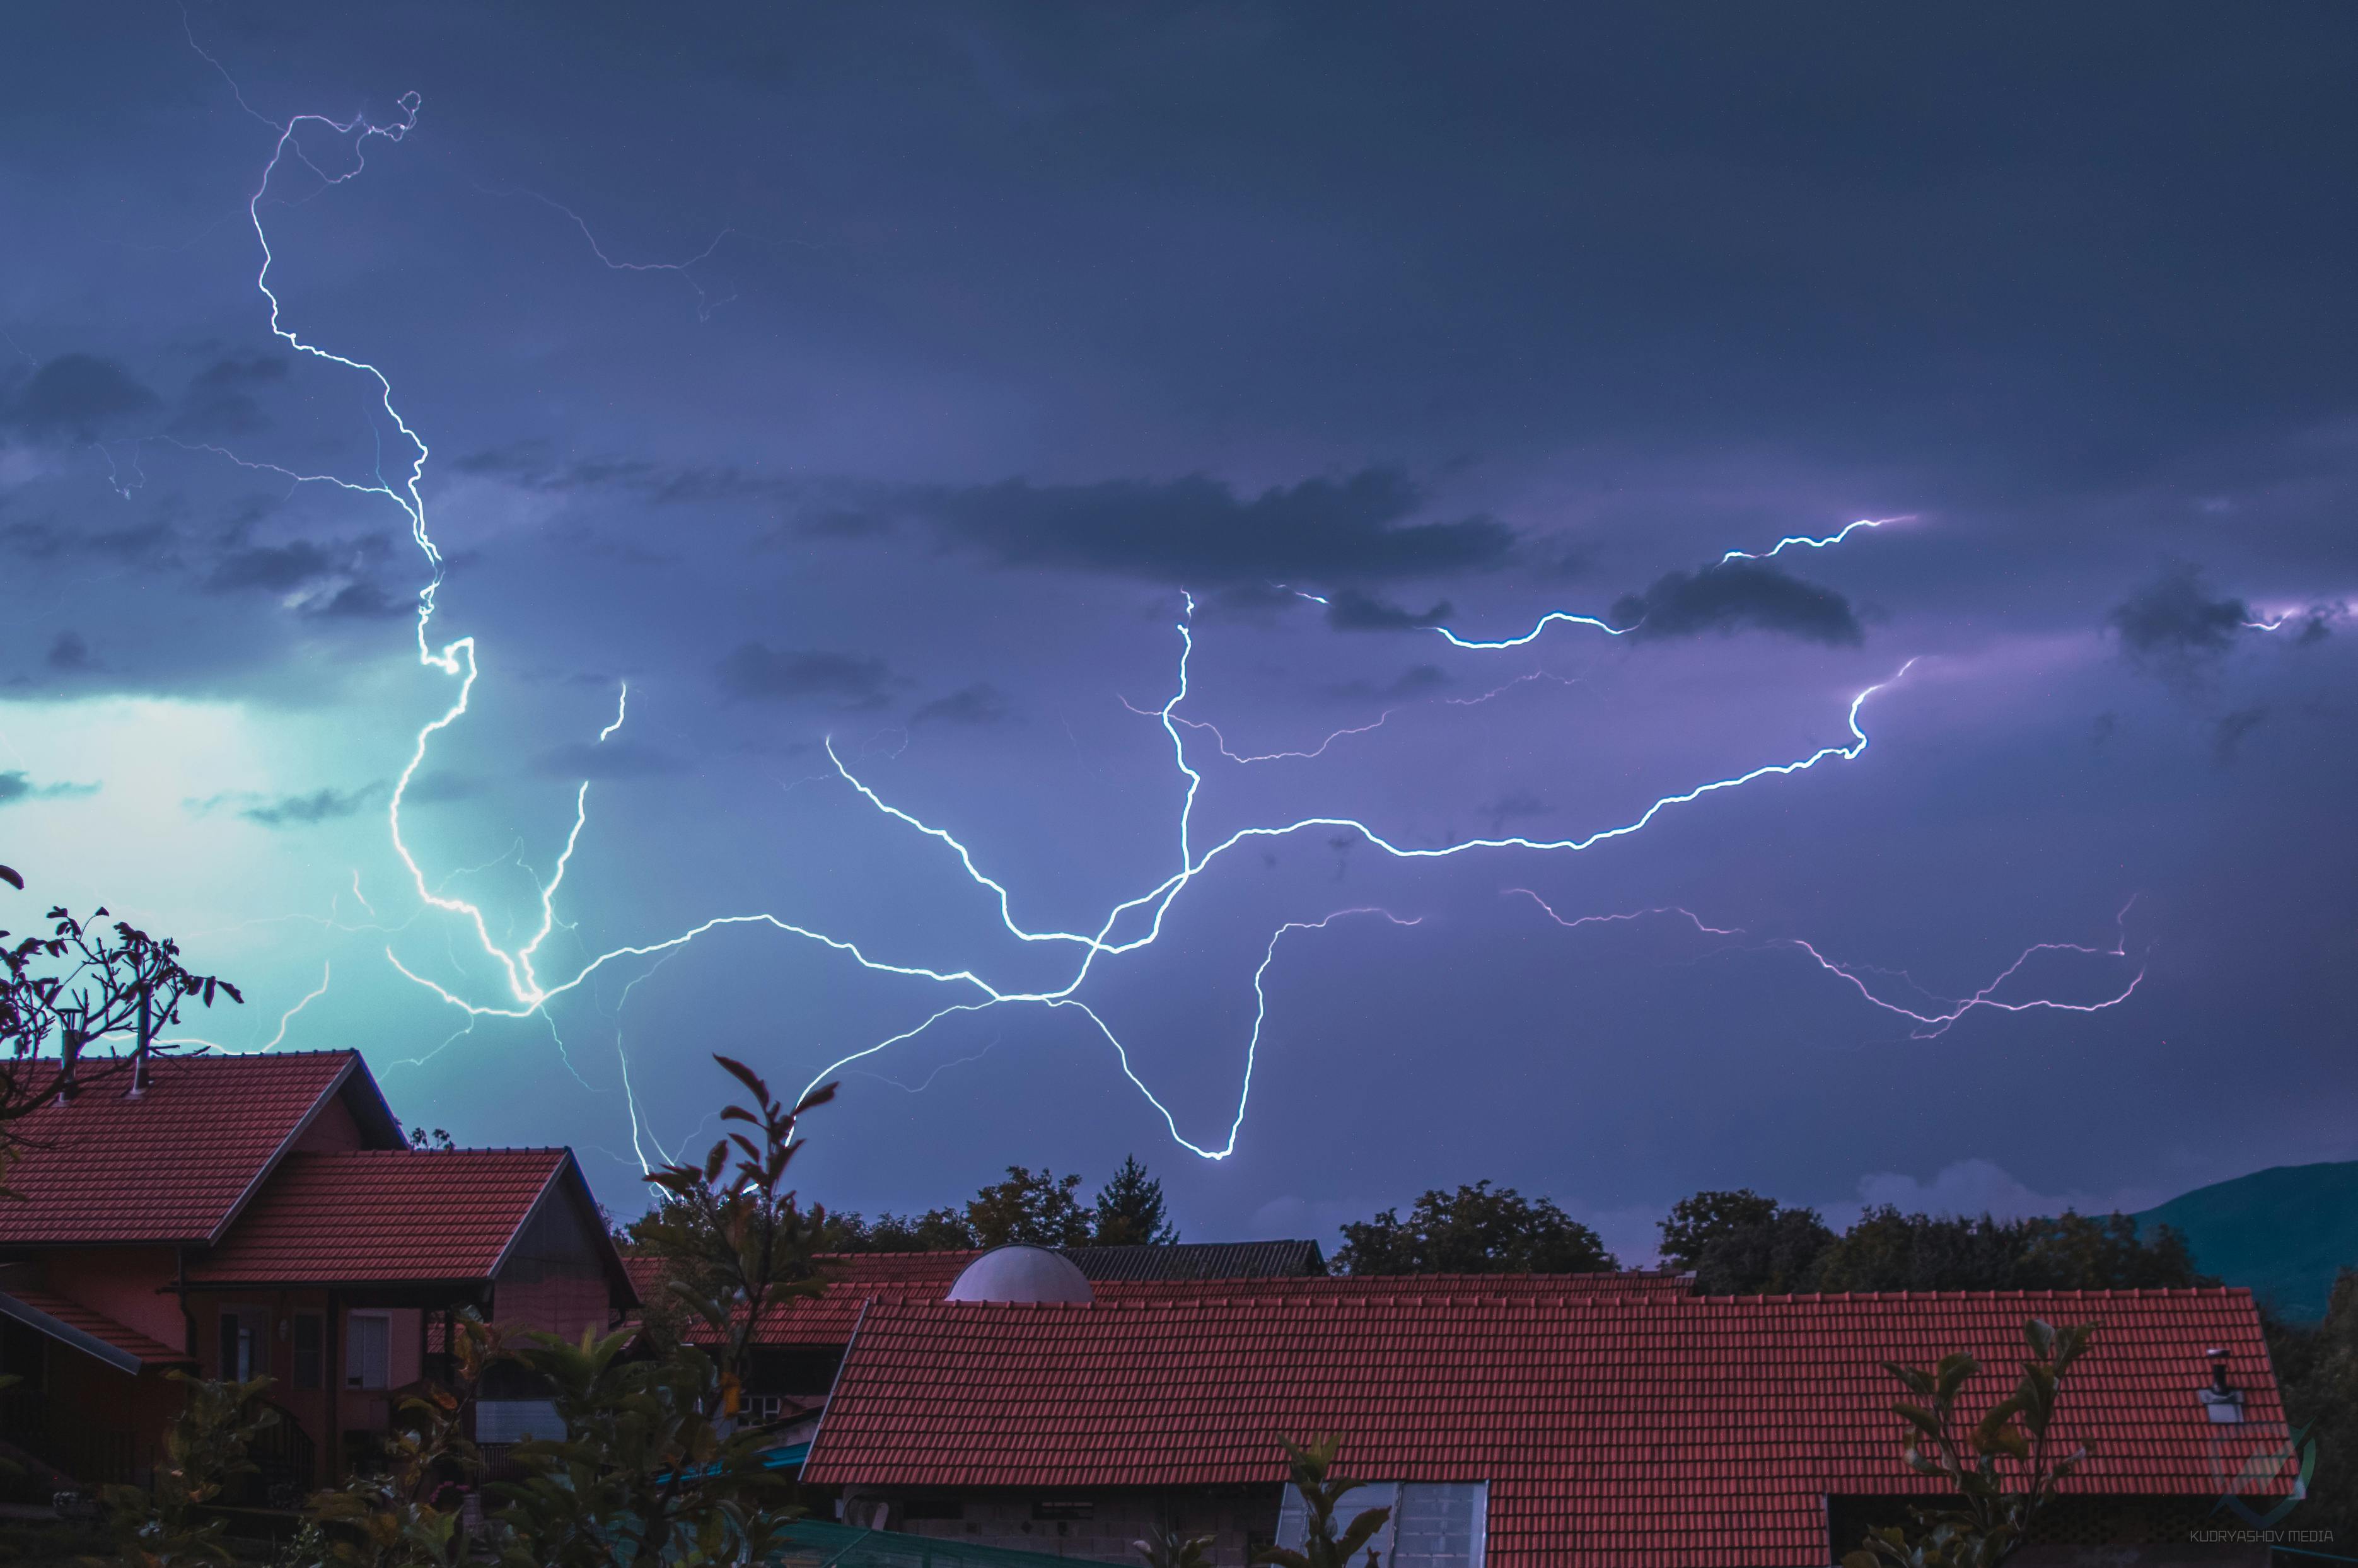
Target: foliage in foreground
[[2316, 1368], [205, 1449], [738, 1243], [2002, 1471], [95, 980], [1311, 1465]]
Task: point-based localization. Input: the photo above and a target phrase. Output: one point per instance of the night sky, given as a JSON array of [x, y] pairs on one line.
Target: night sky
[[896, 375]]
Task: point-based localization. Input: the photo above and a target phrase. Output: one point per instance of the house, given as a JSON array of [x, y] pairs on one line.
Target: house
[[237, 1216], [1511, 1421], [801, 1341]]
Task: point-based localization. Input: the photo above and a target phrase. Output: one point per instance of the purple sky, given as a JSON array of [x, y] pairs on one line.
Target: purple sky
[[894, 374]]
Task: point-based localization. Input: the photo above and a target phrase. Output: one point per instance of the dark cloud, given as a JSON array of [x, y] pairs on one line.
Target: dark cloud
[[1199, 531], [1738, 596], [2173, 625], [79, 395], [1349, 609], [757, 672], [365, 601], [18, 786], [275, 567], [980, 703], [220, 400], [69, 655], [2229, 733], [306, 810], [607, 759]]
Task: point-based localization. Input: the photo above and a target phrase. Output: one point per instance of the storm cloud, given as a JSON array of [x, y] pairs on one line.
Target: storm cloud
[[1200, 531], [80, 395], [2174, 625], [757, 672], [1739, 596]]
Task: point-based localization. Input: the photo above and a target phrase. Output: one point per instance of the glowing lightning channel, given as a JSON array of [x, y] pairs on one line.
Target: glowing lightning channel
[[457, 658], [1571, 619], [1929, 1025], [1802, 539], [1692, 918], [621, 711]]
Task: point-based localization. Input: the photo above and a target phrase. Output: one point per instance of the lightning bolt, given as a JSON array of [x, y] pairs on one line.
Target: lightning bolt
[[528, 994], [1928, 1025], [1807, 543]]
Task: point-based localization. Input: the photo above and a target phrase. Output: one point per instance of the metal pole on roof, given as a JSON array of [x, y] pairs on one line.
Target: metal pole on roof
[[146, 1035]]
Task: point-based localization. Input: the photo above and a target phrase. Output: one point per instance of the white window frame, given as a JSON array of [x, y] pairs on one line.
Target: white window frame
[[356, 1375], [1294, 1522]]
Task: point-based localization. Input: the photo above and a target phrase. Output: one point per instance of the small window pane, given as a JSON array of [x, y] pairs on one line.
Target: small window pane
[[365, 1368], [1442, 1526], [1293, 1520], [310, 1343]]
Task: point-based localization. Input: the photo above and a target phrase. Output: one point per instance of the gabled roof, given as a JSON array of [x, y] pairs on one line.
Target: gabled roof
[[394, 1217], [1199, 1261], [920, 1277], [86, 1329], [1614, 1430], [176, 1163]]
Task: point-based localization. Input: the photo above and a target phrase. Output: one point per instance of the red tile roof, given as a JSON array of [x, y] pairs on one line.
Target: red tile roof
[[172, 1165], [46, 1311], [919, 1277], [385, 1216], [1614, 1430]]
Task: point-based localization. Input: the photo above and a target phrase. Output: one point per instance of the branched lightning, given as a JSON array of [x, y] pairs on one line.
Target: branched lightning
[[1127, 926], [1690, 915], [1927, 1025]]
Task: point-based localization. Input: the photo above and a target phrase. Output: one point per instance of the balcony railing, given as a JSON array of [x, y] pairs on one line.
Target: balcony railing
[[92, 1453]]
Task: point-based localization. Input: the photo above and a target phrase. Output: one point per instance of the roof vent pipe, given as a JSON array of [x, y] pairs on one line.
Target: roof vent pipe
[[69, 1051], [146, 1035], [2222, 1404]]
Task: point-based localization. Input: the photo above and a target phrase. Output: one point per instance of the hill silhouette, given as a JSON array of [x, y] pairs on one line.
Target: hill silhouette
[[2284, 1232]]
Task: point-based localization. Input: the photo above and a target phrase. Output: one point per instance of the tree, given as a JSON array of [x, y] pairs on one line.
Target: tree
[[647, 1471], [1129, 1209], [737, 1242], [1888, 1250], [935, 1230], [2317, 1369], [1040, 1209], [1473, 1231], [82, 983], [1312, 1464], [1693, 1223], [409, 1515], [1741, 1244], [178, 1522], [1996, 1504]]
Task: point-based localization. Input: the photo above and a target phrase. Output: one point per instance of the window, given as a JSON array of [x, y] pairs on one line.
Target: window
[[1293, 1520], [310, 1350], [1432, 1524], [1442, 1526], [369, 1342], [239, 1344]]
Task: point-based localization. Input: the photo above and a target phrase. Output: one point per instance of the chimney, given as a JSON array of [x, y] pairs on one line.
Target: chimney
[[2222, 1404], [146, 1034], [69, 1051]]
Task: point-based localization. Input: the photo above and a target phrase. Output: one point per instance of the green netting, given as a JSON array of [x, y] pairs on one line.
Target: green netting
[[819, 1545]]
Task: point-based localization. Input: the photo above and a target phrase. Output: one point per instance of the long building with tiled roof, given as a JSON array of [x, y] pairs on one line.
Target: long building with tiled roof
[[1512, 1421]]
